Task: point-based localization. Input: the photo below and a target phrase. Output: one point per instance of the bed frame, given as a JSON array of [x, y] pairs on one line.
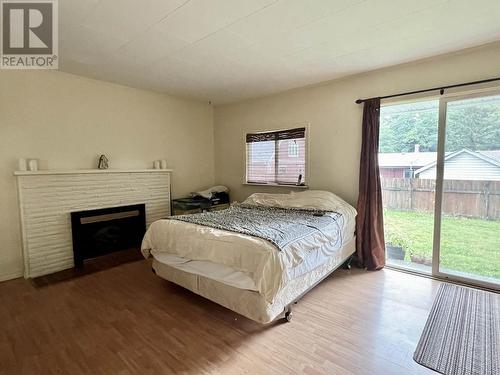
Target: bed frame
[[288, 309], [252, 304]]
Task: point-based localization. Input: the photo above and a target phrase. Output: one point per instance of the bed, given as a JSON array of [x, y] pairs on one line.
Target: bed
[[259, 257]]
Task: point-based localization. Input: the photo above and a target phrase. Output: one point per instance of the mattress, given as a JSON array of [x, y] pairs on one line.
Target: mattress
[[245, 262]]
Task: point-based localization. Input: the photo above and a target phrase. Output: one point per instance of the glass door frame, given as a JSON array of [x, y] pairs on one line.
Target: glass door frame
[[438, 202]]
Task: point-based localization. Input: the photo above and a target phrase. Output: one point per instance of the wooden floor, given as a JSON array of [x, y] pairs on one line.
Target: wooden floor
[[125, 320]]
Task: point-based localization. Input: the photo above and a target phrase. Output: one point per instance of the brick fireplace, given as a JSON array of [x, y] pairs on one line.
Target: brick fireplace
[[47, 199]]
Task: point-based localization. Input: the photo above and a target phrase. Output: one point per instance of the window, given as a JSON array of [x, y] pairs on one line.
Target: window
[[407, 141], [433, 222], [408, 173], [293, 148], [276, 157]]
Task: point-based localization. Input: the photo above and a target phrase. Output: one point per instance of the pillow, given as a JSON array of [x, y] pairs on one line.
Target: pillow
[[266, 199], [316, 200], [319, 200]]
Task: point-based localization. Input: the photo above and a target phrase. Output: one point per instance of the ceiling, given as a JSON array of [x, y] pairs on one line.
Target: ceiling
[[229, 50]]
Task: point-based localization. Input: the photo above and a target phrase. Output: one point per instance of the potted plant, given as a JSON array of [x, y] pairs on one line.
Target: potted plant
[[396, 245]]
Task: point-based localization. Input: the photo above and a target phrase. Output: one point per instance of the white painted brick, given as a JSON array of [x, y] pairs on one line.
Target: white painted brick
[[48, 200]]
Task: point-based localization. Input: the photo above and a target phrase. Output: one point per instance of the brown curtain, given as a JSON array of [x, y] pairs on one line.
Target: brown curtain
[[370, 243]]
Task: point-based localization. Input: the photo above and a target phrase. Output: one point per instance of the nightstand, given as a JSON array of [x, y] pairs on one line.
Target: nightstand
[[219, 207], [185, 206]]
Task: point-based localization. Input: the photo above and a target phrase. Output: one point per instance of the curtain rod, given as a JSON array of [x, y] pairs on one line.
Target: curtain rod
[[440, 88]]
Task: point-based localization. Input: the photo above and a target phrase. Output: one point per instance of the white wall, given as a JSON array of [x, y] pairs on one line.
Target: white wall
[[335, 120], [67, 121]]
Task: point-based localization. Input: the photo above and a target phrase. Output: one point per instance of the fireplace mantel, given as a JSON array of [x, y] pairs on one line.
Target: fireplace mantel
[[47, 198], [89, 171]]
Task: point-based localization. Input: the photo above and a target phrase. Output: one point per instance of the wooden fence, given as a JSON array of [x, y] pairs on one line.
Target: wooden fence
[[478, 199]]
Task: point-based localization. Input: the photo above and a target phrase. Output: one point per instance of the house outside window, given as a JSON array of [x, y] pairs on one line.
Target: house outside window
[[293, 148]]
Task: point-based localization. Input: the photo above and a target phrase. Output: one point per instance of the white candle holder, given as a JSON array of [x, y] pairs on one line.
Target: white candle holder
[[22, 164], [33, 165]]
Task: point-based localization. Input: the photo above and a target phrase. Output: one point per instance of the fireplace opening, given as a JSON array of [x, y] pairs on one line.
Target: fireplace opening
[[107, 230]]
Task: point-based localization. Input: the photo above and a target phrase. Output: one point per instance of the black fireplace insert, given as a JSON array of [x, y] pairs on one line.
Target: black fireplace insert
[[104, 231]]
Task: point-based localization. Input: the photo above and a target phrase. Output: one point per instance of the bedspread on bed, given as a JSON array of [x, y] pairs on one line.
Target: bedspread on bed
[[268, 267], [280, 226]]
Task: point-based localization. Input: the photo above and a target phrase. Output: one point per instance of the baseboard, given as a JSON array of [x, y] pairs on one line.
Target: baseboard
[[10, 276], [442, 279]]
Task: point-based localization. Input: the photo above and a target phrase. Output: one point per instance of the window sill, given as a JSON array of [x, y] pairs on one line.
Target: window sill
[[278, 185]]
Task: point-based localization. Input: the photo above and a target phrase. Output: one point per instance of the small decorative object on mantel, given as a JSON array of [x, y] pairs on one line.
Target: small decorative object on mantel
[[163, 164], [103, 162], [156, 164], [33, 165], [23, 164]]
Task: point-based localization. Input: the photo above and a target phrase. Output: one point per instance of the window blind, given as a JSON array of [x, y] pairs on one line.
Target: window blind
[[276, 157]]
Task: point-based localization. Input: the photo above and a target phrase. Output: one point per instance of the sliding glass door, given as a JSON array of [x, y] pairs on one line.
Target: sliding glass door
[[408, 141], [467, 238], [440, 173]]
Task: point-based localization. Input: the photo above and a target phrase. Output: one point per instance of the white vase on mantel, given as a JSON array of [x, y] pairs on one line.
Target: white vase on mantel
[[33, 165], [22, 165]]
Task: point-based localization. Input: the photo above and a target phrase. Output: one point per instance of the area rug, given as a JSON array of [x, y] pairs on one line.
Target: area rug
[[462, 333]]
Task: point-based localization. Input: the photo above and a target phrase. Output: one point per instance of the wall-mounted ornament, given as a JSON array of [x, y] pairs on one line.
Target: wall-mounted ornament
[[103, 162]]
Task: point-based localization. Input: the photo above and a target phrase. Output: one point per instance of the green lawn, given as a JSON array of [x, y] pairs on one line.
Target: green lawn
[[467, 245]]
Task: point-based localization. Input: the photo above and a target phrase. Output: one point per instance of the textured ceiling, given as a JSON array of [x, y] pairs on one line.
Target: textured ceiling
[[228, 50]]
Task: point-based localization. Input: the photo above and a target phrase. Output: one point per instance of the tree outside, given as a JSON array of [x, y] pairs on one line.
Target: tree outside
[[474, 127]]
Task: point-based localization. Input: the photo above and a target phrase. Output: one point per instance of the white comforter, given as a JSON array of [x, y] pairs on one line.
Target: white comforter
[[268, 267]]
